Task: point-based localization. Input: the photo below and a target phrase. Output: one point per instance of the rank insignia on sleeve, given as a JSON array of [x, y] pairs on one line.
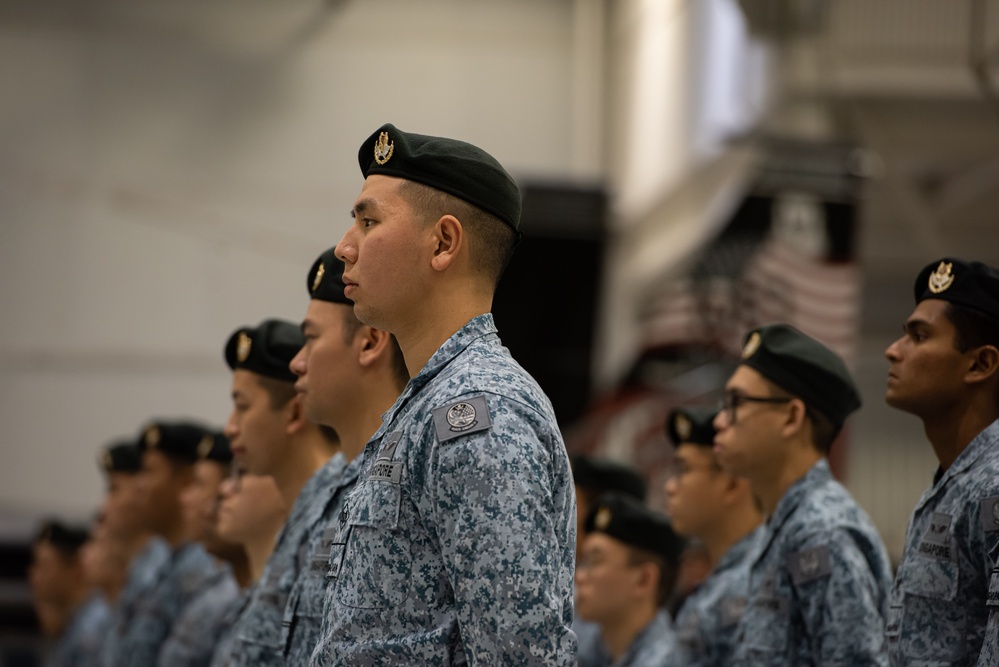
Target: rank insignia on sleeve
[[990, 514], [810, 564], [469, 415]]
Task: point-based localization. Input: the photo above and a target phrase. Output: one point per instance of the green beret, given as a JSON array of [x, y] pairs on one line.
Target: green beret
[[67, 538], [598, 476], [972, 285], [325, 281], [626, 519], [804, 367], [123, 457], [216, 448], [266, 350], [452, 166], [691, 426], [181, 441]]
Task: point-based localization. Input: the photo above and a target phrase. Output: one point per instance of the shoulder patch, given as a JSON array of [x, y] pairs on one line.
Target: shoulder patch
[[990, 514], [469, 415], [809, 564]]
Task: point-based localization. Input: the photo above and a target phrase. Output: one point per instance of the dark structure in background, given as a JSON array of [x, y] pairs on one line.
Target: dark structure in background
[[546, 303]]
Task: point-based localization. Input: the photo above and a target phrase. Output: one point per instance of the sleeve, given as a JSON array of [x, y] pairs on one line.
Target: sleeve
[[503, 509], [841, 595]]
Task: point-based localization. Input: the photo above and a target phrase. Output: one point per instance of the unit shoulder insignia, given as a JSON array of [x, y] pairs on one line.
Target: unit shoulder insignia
[[469, 415]]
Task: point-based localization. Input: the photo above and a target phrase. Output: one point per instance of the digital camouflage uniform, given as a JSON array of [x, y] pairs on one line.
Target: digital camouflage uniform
[[819, 584], [80, 643], [945, 585], [144, 575], [457, 543], [202, 620], [303, 614], [654, 646], [223, 647], [257, 637], [706, 623]]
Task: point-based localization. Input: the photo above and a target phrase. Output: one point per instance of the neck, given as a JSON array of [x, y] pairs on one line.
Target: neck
[[258, 551], [176, 534], [739, 521], [363, 418], [131, 546], [950, 434], [619, 633], [236, 556], [419, 342], [770, 488], [307, 452]]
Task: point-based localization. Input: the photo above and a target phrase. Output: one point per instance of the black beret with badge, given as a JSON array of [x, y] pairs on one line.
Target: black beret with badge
[[266, 349], [600, 475], [449, 165], [215, 448], [67, 538], [972, 285], [629, 521], [803, 367], [181, 441], [123, 457], [325, 281], [691, 426]]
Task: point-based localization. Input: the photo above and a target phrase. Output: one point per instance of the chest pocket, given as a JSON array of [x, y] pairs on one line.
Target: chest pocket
[[376, 567], [765, 628], [931, 622]]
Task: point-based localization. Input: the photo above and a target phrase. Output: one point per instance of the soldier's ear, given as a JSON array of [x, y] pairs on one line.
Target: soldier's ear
[[796, 418], [984, 364], [449, 237], [374, 345]]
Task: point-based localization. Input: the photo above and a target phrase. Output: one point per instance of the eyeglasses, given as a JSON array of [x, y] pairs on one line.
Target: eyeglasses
[[681, 469], [733, 399]]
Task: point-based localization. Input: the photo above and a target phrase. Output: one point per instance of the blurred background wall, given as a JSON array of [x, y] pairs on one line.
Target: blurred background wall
[[169, 171]]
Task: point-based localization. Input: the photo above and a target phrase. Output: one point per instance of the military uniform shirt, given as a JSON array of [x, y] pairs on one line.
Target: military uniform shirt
[[458, 541], [654, 646], [221, 657], [945, 585], [303, 614], [590, 651], [819, 585], [706, 623], [201, 621], [257, 639], [80, 643], [144, 575]]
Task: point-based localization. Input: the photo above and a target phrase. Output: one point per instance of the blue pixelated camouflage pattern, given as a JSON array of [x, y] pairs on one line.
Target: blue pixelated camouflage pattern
[[303, 614], [989, 656], [197, 628], [222, 655], [144, 574], [589, 651], [258, 637], [940, 601], [818, 590], [654, 646], [81, 642], [706, 623], [457, 544]]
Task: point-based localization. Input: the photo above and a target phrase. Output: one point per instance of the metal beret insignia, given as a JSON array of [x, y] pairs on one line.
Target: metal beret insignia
[[752, 345], [243, 346], [383, 148], [683, 426], [942, 278], [205, 446], [319, 276], [152, 437], [602, 518], [107, 461]]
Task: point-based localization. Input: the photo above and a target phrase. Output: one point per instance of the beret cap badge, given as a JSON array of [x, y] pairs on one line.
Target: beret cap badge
[[243, 347], [383, 148], [683, 426], [152, 437], [319, 276], [751, 346], [602, 518], [205, 446], [942, 278]]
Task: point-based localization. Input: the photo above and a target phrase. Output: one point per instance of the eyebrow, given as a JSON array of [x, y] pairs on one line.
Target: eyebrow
[[915, 323], [361, 206]]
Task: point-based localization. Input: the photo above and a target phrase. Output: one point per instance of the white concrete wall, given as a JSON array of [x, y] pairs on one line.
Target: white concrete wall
[[169, 171]]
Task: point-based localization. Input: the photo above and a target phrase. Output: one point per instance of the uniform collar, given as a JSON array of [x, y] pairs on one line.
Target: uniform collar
[[816, 475], [983, 442], [740, 550], [660, 626]]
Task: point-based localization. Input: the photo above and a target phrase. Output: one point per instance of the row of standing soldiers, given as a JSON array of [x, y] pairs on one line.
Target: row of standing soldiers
[[391, 488]]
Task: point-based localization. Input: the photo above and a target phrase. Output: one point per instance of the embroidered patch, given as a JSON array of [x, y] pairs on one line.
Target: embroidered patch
[[990, 514], [384, 468], [810, 564], [936, 540], [992, 600], [469, 415]]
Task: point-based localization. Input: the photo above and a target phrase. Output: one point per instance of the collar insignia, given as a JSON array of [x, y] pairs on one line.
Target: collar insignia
[[243, 346], [752, 345], [383, 148], [942, 278], [205, 446], [602, 519], [683, 427], [152, 437], [319, 276]]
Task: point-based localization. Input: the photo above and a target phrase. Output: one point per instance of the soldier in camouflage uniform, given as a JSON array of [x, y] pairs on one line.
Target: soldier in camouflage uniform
[[718, 509], [270, 435], [818, 586], [349, 374], [147, 555], [945, 370], [456, 545], [624, 578]]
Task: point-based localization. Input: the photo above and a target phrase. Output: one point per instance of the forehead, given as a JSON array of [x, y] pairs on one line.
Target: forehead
[[695, 453], [246, 382], [597, 542], [325, 315], [747, 380], [380, 193], [208, 472], [932, 312]]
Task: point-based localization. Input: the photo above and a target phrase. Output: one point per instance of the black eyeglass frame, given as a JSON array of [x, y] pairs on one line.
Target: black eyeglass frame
[[733, 399]]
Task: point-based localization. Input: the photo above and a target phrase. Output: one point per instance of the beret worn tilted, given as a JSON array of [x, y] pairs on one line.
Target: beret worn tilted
[[972, 285], [266, 349], [325, 280], [691, 426], [627, 520]]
